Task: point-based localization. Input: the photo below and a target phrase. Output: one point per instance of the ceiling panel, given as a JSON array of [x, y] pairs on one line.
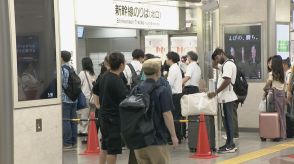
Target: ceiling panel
[[174, 3]]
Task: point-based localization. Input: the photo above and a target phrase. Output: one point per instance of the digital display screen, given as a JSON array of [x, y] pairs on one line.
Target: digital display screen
[[283, 40], [243, 43], [80, 31]]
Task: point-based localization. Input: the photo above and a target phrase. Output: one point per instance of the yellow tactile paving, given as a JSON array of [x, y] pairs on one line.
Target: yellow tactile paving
[[258, 154]]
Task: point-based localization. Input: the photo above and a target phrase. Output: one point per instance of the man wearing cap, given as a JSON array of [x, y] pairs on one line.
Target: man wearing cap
[[158, 152]]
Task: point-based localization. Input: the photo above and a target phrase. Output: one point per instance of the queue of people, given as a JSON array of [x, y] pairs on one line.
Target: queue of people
[[115, 83]]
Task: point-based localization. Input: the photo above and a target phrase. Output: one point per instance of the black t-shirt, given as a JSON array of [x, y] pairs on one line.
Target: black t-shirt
[[162, 99], [111, 90]]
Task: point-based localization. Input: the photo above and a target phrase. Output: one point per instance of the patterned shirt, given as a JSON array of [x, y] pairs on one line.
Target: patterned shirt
[[64, 79]]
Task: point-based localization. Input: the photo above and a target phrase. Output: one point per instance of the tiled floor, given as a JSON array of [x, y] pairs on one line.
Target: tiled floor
[[247, 143]]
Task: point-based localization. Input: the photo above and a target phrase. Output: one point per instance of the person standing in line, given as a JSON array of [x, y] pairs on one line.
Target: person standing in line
[[104, 68], [158, 152], [287, 70], [226, 96], [69, 107], [175, 80], [87, 77], [218, 67], [192, 75], [276, 81], [134, 68], [112, 91]]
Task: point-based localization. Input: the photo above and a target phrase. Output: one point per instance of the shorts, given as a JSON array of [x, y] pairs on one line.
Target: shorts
[[111, 139]]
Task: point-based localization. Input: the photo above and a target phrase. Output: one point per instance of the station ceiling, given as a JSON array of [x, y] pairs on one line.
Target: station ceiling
[[174, 3]]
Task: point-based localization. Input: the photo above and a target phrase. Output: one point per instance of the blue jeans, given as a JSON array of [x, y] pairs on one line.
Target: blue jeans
[[228, 122], [69, 127]]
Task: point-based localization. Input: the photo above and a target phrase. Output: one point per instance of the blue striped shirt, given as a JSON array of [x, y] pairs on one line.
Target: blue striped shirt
[[64, 79]]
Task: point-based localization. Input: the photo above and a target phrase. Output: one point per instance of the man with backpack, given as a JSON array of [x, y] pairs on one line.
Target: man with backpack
[[145, 130], [226, 96], [133, 69], [71, 89]]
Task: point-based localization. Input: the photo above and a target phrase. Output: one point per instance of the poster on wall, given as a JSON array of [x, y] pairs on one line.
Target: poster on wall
[[283, 40], [184, 44], [244, 44], [156, 45]]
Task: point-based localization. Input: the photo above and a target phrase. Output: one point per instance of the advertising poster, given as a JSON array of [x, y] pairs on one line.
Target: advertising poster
[[184, 44], [243, 43], [283, 40], [156, 45]]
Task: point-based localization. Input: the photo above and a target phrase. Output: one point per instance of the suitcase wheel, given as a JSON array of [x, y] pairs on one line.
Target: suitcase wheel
[[262, 139], [277, 140]]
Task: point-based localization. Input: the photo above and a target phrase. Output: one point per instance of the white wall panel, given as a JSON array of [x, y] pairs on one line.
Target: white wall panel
[[33, 147]]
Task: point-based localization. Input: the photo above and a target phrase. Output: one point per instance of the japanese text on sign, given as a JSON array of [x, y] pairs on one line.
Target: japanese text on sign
[[139, 12]]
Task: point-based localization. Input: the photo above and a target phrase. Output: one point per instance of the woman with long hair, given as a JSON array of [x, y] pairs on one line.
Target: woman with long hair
[[276, 82], [87, 77]]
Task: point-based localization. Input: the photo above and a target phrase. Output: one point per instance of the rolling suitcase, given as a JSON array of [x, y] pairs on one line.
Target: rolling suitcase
[[193, 132], [269, 123], [269, 126]]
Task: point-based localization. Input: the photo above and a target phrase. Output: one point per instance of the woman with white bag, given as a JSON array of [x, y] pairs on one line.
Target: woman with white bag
[[87, 77]]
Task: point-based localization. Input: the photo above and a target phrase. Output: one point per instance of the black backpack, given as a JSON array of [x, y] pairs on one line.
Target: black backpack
[[136, 115], [135, 78], [74, 84], [241, 86]]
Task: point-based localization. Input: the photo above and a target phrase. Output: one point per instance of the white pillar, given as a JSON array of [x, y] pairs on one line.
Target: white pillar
[[67, 28]]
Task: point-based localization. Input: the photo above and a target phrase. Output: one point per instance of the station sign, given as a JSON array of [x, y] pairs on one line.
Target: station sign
[[112, 13]]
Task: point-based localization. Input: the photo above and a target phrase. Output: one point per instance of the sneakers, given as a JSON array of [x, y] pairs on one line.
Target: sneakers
[[225, 137], [69, 147], [228, 149]]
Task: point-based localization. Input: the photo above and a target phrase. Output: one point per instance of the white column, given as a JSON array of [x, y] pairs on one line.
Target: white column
[[271, 9], [6, 108], [67, 28]]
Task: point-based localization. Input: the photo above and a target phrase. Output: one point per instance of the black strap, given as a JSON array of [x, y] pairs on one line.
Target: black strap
[[64, 67], [223, 69], [132, 70]]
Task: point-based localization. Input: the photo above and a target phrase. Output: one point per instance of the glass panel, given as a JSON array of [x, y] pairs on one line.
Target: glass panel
[[36, 53], [244, 44]]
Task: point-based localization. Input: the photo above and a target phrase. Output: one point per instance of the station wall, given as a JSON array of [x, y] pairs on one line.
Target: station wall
[[237, 12]]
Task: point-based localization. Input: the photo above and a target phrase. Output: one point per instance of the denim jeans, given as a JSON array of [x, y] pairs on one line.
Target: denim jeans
[[228, 121], [69, 127]]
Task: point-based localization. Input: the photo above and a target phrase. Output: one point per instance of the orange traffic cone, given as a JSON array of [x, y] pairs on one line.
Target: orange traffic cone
[[93, 141], [203, 146]]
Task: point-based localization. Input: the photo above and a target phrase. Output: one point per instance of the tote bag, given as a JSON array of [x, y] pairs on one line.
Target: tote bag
[[198, 103]]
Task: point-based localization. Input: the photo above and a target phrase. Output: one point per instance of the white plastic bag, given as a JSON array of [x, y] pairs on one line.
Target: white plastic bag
[[195, 104], [262, 106]]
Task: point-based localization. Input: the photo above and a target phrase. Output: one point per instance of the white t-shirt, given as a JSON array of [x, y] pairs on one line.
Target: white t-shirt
[[128, 73], [85, 86], [175, 78], [228, 70], [194, 72], [287, 77], [275, 84]]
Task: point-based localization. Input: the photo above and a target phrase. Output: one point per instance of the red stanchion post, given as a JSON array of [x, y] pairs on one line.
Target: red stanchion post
[[93, 141], [203, 146]]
